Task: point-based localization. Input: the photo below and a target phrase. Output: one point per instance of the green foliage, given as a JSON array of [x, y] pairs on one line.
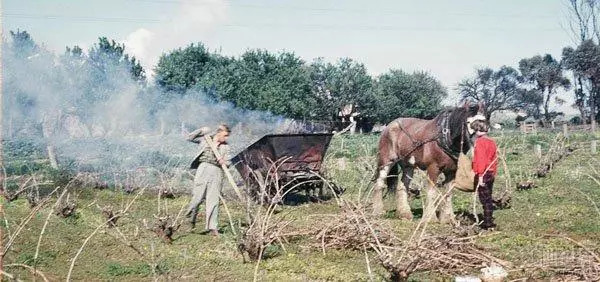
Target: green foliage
[[496, 90], [181, 69], [546, 75], [338, 85], [116, 269], [19, 148], [45, 257], [23, 156], [260, 80], [400, 94], [284, 84], [23, 44], [107, 55], [584, 61]]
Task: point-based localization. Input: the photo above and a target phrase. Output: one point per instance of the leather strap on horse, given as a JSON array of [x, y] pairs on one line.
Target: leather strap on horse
[[416, 144], [445, 139]]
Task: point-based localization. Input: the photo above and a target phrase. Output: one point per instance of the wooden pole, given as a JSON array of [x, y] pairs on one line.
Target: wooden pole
[[538, 151], [565, 130], [594, 146], [210, 143]]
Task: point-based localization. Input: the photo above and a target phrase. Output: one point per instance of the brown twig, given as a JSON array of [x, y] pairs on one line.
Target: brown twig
[[25, 221], [33, 270], [96, 231], [37, 247]]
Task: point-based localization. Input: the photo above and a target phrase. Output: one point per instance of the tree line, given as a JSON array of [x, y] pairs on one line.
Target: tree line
[[540, 80], [284, 84]]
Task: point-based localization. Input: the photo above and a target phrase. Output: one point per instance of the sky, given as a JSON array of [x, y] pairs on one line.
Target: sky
[[448, 39]]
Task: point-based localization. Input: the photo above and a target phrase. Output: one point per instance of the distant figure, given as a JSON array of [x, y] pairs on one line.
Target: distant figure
[[208, 181], [484, 166]]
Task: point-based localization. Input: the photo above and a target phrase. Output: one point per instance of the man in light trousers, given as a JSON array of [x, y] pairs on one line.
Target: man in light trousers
[[208, 181]]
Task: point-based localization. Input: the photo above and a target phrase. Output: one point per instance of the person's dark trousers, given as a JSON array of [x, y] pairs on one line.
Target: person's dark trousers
[[485, 197]]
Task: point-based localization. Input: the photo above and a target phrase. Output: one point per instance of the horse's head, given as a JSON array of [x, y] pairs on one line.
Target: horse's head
[[459, 125], [474, 112]]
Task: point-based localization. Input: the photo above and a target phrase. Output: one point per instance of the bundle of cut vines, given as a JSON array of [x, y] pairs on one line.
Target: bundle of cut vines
[[445, 254], [558, 150], [579, 264], [350, 229]]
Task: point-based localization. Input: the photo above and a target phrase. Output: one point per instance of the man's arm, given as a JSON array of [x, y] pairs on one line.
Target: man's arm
[[196, 135], [225, 157]]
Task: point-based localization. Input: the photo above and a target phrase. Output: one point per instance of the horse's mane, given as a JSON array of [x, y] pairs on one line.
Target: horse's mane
[[453, 119]]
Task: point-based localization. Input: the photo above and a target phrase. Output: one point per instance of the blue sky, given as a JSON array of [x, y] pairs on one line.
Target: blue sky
[[449, 39]]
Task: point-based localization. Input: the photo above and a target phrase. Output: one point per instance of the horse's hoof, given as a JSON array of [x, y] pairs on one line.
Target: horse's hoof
[[378, 212], [430, 219], [449, 221], [404, 215]]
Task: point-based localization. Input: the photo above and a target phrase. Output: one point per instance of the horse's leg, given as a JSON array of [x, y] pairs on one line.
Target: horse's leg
[[380, 184], [429, 210], [402, 206], [446, 211]]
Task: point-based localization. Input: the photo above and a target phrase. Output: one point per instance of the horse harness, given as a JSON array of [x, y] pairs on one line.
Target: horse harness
[[443, 138]]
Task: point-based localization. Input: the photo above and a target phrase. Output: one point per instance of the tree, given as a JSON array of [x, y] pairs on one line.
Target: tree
[[583, 19], [277, 83], [497, 90], [341, 84], [107, 56], [260, 80], [399, 94], [546, 75], [181, 69], [23, 45], [584, 26], [584, 61]]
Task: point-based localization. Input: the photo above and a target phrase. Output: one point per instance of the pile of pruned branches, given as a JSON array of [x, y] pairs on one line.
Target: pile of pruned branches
[[348, 230], [448, 254], [581, 264], [445, 254], [557, 151]]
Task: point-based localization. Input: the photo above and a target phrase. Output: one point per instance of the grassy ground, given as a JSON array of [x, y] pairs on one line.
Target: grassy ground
[[563, 203]]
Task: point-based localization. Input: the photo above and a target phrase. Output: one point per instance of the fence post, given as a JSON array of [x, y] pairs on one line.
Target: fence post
[[538, 151], [593, 147], [565, 130], [341, 163]]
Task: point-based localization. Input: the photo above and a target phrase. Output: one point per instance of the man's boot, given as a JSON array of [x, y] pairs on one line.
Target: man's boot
[[488, 218]]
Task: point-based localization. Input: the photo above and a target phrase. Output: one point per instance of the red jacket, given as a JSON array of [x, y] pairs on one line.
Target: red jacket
[[484, 155]]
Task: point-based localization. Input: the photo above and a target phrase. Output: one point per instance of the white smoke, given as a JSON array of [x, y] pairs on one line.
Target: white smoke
[[113, 124], [193, 20]]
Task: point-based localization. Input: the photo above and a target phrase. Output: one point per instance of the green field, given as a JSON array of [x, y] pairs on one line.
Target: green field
[[563, 203]]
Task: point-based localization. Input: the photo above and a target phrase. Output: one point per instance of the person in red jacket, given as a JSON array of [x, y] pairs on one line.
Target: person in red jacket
[[484, 165]]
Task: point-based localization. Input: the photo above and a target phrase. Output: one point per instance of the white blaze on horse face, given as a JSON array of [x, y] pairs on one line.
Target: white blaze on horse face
[[470, 129], [382, 174], [412, 160], [471, 120]]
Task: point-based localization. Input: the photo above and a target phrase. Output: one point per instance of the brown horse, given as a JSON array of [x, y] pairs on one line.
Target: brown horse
[[430, 145]]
